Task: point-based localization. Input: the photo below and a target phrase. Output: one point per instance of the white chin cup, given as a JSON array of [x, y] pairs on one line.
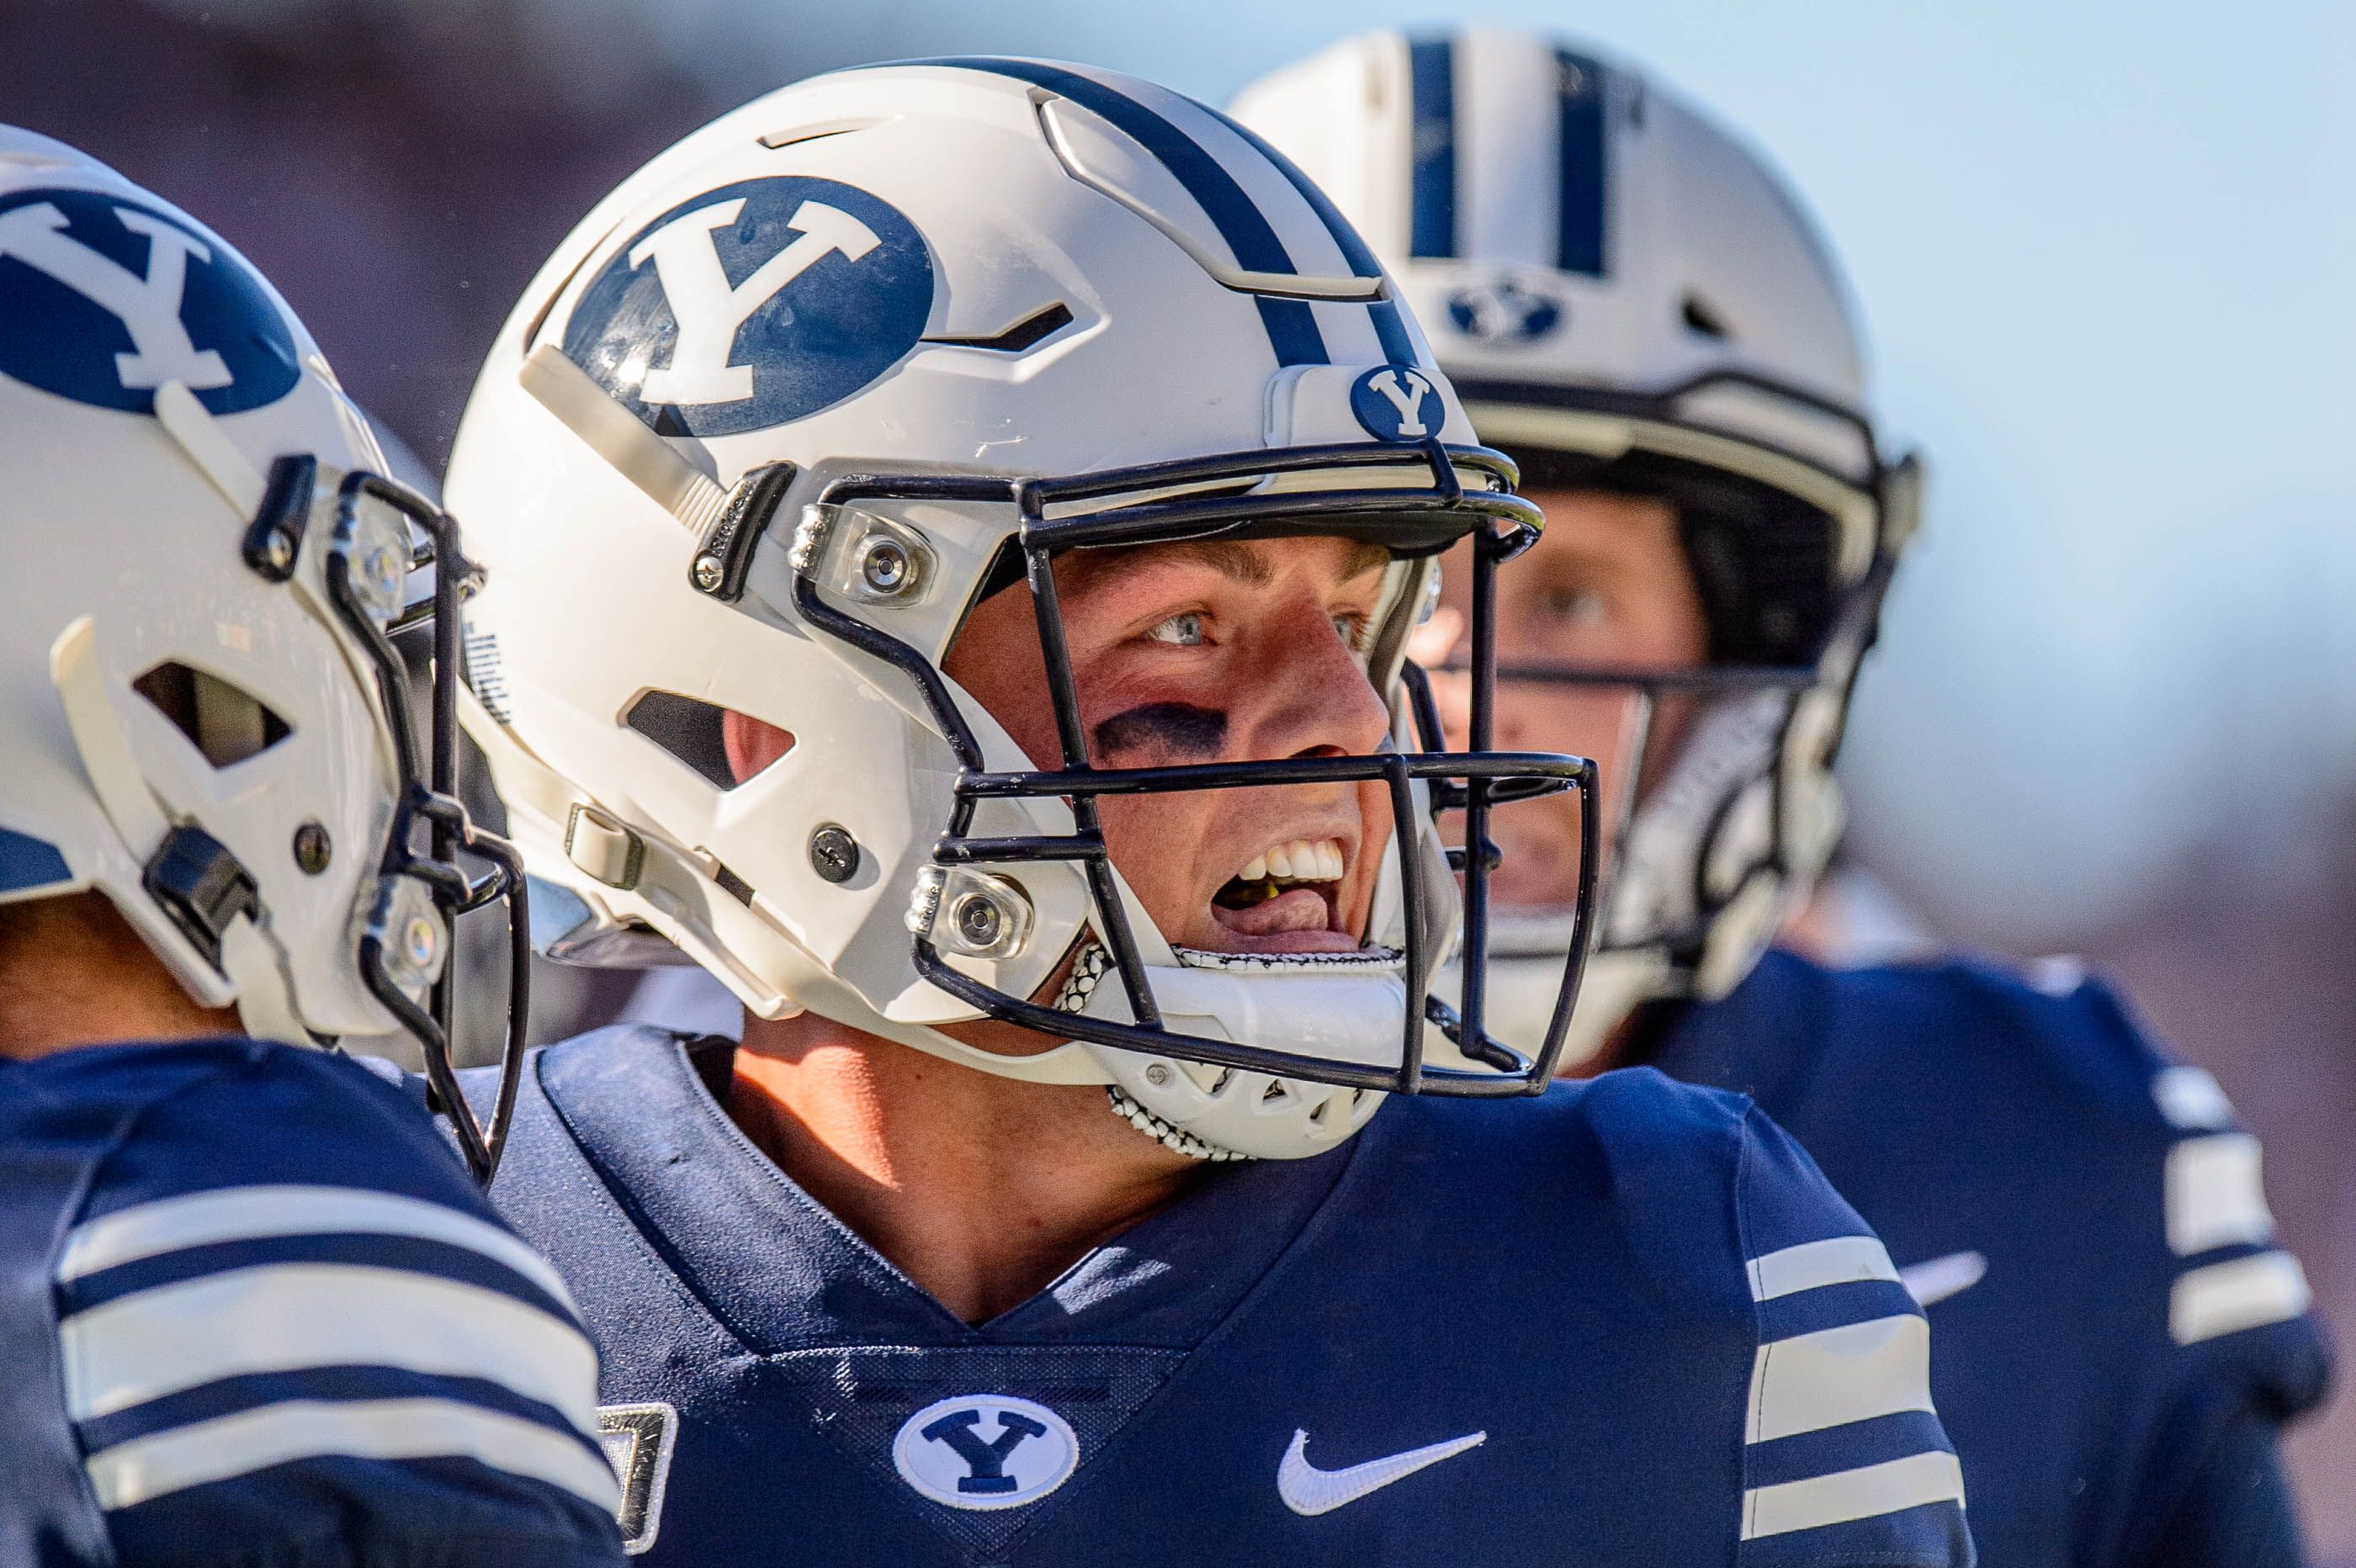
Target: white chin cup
[[1314, 1003], [1522, 989]]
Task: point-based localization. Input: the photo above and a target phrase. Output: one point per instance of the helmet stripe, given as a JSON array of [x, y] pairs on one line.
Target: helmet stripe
[[1432, 77], [1579, 245], [29, 862], [1292, 330]]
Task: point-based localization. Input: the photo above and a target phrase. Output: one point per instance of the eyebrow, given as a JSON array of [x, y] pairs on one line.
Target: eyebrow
[[1231, 558]]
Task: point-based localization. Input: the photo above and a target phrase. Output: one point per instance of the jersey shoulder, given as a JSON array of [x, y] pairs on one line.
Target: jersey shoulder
[[1693, 1202], [273, 1309]]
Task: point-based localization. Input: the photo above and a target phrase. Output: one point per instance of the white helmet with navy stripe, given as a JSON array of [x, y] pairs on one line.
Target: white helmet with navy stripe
[[1626, 295], [792, 399], [204, 721]]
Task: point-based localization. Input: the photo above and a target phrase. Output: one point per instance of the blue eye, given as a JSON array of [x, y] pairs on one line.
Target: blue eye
[[1182, 631], [1352, 630]]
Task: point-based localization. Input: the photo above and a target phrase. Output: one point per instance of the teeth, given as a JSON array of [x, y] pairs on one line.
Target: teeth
[[1297, 860]]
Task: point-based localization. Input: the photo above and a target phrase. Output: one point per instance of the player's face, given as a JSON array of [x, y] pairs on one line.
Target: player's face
[[1606, 585], [1207, 652]]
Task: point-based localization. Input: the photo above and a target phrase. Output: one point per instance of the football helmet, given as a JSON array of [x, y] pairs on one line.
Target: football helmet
[[1628, 297], [207, 721], [808, 387]]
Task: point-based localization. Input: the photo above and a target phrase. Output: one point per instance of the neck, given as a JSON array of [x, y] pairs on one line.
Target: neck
[[73, 972], [983, 1189]]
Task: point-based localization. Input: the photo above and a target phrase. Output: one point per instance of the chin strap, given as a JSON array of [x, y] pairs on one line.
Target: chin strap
[[1089, 967]]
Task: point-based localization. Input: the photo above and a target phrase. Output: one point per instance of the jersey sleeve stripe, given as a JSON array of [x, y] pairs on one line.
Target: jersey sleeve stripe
[[1833, 1376], [282, 1316], [2216, 1196], [1863, 1493], [2242, 1293], [413, 1253], [1841, 1260], [1836, 1448], [239, 1214], [281, 1433]]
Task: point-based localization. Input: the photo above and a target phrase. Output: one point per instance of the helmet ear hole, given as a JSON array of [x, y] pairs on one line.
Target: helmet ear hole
[[694, 735], [225, 722]]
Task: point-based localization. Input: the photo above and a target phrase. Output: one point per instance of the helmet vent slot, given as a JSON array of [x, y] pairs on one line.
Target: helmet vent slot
[[1700, 318], [226, 724], [693, 733]]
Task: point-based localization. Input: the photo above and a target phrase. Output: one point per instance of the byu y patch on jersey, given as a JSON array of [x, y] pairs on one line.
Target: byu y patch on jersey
[[103, 299], [763, 301], [1683, 1348], [2082, 1217]]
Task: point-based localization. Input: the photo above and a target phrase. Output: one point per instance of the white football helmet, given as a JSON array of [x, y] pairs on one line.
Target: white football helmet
[[1627, 297], [205, 719], [800, 393]]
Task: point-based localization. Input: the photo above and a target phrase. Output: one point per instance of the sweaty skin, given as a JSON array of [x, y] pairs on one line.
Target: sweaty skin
[[72, 972], [1606, 585], [1185, 653]]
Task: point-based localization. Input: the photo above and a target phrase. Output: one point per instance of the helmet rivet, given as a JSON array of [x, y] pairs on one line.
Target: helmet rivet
[[1157, 1075], [418, 938], [978, 920], [278, 550], [885, 566], [707, 572], [833, 854], [313, 848]]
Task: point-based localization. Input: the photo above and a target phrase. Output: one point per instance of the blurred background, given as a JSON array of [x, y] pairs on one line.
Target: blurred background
[[2104, 252]]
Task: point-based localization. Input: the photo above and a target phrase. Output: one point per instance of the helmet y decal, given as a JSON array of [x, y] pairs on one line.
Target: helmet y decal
[[103, 299], [753, 305], [1398, 402]]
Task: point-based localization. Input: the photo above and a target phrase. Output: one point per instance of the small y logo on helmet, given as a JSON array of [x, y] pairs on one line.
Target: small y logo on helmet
[[985, 1451], [103, 299], [1503, 310], [1398, 402], [754, 304]]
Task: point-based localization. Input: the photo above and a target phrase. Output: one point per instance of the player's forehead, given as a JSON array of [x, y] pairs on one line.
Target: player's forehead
[[1093, 576]]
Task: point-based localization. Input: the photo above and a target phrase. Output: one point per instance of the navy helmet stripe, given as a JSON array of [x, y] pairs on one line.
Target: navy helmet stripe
[[1432, 77], [1579, 235], [1398, 348], [1291, 328], [29, 862]]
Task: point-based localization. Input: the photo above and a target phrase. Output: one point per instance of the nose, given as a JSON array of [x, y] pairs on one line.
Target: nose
[[1323, 706]]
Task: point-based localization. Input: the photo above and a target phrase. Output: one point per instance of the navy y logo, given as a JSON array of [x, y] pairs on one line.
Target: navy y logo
[[756, 303], [103, 301], [942, 1451], [1398, 402], [1505, 311]]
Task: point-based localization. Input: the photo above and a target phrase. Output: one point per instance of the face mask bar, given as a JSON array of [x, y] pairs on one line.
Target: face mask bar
[[407, 940], [1415, 520]]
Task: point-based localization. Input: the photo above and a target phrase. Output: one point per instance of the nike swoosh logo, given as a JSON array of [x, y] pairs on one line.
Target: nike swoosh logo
[[1940, 1278], [1310, 1491]]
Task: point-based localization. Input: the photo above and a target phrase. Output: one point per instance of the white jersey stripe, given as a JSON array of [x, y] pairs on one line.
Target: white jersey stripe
[[2242, 1293], [279, 1317], [1844, 1495], [2216, 1197], [1843, 1260], [1835, 1376], [251, 1440], [245, 1213]]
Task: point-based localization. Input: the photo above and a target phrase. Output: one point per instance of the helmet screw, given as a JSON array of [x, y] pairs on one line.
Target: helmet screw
[[312, 849], [833, 854], [978, 920], [419, 938], [707, 572], [1157, 1075], [278, 550], [885, 566]]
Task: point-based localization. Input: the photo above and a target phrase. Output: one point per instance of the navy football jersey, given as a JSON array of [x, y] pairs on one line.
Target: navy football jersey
[[1626, 1323], [253, 1311], [2082, 1217]]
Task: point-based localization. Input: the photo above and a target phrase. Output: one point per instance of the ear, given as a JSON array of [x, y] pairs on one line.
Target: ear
[[751, 743]]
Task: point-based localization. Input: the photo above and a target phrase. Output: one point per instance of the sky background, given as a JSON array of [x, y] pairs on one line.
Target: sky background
[[2104, 255]]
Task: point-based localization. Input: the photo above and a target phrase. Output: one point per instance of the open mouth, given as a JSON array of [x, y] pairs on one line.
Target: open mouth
[[1288, 898]]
